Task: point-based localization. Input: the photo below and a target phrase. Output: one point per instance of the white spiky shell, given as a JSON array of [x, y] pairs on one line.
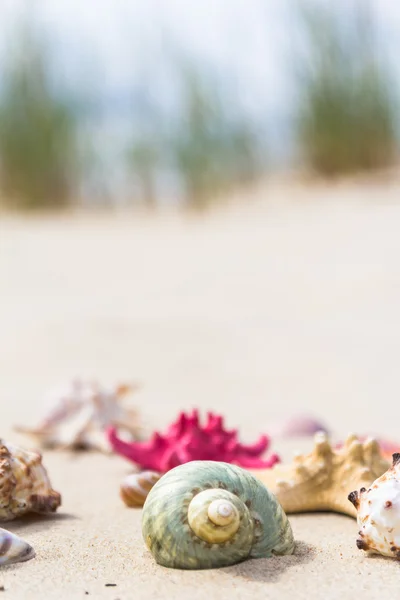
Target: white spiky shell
[[378, 513]]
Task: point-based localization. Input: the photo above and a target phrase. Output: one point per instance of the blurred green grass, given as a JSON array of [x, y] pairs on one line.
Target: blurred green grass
[[212, 150], [347, 119], [38, 131], [209, 143]]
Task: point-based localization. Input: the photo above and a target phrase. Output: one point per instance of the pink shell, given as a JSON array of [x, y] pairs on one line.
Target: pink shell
[[187, 440], [297, 426]]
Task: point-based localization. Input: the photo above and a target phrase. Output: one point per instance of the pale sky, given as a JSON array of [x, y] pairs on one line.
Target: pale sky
[[106, 46], [112, 42], [116, 40]]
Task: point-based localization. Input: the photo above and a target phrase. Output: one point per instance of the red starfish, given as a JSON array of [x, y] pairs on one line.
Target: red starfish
[[187, 440]]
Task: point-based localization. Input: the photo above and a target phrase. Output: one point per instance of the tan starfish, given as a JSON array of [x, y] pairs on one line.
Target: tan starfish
[[323, 479]]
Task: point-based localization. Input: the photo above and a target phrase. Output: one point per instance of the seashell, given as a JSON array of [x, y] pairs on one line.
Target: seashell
[[378, 513], [24, 484], [136, 486], [78, 415], [297, 426], [13, 549], [207, 514], [187, 440], [322, 480]]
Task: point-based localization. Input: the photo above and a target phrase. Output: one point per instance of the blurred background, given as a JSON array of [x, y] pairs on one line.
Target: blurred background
[[203, 198]]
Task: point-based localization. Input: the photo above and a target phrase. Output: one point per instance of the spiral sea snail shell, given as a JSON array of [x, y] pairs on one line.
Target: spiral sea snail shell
[[135, 487], [13, 549], [207, 514]]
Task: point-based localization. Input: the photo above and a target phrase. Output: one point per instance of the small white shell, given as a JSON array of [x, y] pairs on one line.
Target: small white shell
[[13, 549]]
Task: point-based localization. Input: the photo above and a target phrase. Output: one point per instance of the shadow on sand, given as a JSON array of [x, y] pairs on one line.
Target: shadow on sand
[[36, 521], [271, 569]]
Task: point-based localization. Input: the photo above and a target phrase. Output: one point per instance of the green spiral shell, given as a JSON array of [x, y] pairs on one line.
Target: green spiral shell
[[207, 514]]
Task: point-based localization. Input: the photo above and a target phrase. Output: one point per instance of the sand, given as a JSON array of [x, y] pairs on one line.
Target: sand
[[287, 302]]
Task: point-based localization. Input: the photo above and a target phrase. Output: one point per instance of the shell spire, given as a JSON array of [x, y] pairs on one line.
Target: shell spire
[[186, 440]]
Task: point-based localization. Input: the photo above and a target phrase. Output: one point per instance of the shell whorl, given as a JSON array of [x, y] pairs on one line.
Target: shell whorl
[[206, 514], [223, 513], [215, 516]]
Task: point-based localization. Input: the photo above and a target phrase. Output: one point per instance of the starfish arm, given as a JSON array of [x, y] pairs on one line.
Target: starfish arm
[[249, 462], [146, 454], [254, 449]]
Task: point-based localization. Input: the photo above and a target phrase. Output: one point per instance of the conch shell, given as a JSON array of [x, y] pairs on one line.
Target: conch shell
[[24, 484], [378, 513], [78, 415], [13, 549], [322, 480], [207, 514], [136, 486]]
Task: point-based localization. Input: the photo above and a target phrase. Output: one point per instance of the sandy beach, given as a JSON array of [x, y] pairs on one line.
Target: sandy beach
[[285, 302]]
